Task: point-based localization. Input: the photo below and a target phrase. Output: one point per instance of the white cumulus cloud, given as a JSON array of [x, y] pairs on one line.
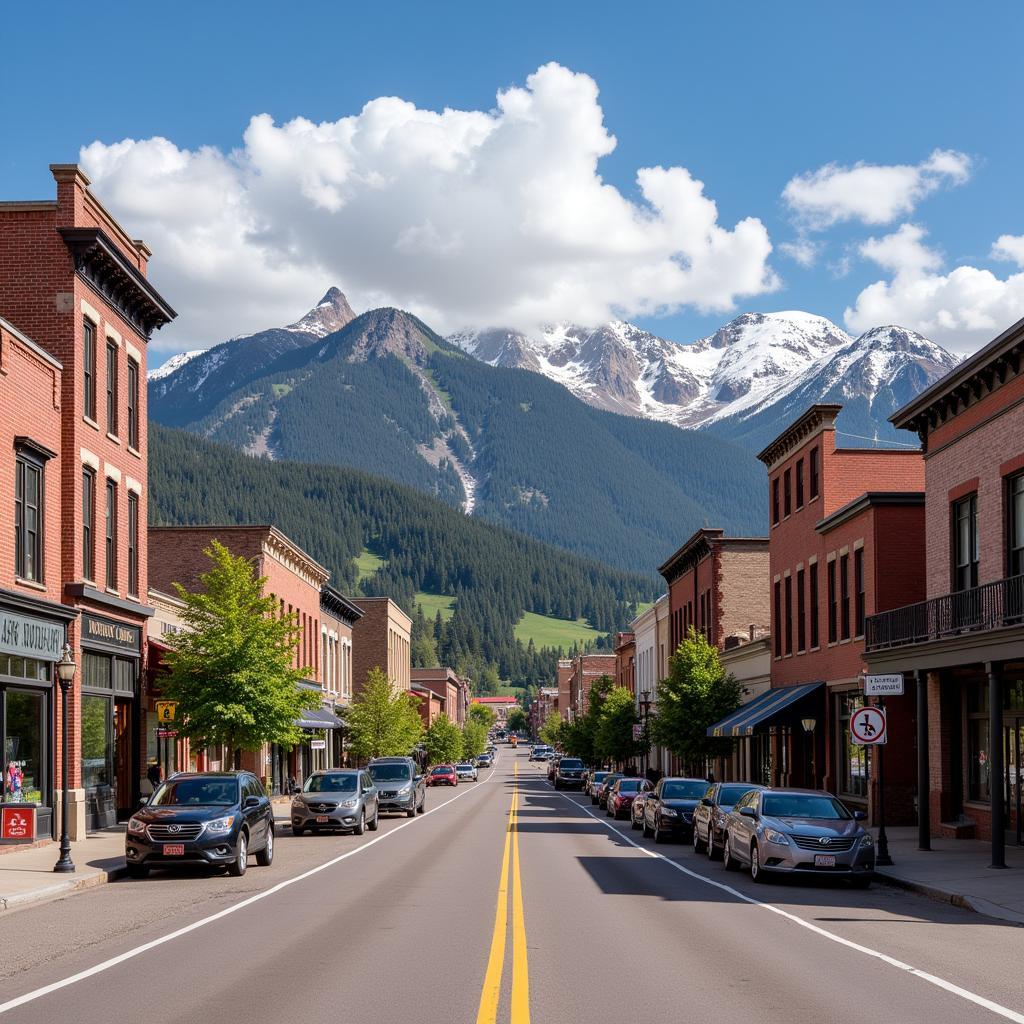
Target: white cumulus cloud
[[961, 309], [871, 193], [1009, 247], [464, 217]]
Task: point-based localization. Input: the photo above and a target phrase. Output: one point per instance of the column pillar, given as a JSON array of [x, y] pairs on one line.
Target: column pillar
[[995, 742], [924, 830]]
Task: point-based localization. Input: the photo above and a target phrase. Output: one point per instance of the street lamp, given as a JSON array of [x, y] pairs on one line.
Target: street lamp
[[645, 708], [809, 725], [66, 668]]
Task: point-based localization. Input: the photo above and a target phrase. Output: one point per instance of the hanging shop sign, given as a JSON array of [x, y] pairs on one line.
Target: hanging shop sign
[[29, 637], [318, 744], [111, 634]]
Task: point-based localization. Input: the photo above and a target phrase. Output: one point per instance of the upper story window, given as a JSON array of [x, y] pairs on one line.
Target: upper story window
[[133, 404], [965, 543], [89, 368], [813, 474], [833, 611], [801, 612], [111, 388], [812, 586], [787, 493], [133, 544], [789, 614], [1015, 524], [111, 536], [28, 516], [799, 483], [88, 522], [777, 619], [844, 593], [775, 501], [859, 595]]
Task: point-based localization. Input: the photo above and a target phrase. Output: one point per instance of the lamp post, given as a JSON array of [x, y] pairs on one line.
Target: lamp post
[[809, 725], [645, 708], [66, 668]]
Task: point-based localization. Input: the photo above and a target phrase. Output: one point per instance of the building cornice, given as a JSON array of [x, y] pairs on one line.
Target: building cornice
[[870, 499], [819, 417], [335, 602]]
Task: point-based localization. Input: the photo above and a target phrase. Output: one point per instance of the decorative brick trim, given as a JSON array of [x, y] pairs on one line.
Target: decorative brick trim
[[1012, 465], [133, 485], [133, 352], [962, 490], [88, 459], [91, 313], [112, 472], [114, 336]]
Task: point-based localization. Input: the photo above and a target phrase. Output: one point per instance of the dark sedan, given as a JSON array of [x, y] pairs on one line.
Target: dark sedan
[[605, 788], [214, 818], [569, 773], [710, 814], [620, 797], [668, 813]]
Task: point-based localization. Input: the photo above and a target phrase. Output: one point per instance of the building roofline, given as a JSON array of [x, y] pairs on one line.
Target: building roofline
[[869, 499], [30, 344], [820, 416], [338, 604], [711, 536]]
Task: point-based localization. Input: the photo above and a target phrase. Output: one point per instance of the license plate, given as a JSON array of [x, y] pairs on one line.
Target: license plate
[[824, 860], [321, 819], [174, 849]]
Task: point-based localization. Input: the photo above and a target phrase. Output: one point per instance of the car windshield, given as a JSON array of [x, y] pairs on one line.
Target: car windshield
[[600, 776], [571, 763], [465, 766], [610, 780], [683, 790], [390, 772], [336, 782], [804, 805], [629, 785], [196, 793], [442, 769], [728, 795]]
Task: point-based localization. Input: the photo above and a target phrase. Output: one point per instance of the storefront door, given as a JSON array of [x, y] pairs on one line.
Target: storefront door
[[98, 776], [1013, 748], [123, 758]]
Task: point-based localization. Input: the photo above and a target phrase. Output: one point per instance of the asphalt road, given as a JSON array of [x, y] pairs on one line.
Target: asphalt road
[[506, 902]]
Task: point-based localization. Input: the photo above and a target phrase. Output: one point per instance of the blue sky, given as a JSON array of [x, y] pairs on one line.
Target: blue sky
[[744, 96]]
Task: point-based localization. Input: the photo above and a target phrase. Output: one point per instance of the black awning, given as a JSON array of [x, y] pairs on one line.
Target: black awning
[[747, 717], [318, 719]]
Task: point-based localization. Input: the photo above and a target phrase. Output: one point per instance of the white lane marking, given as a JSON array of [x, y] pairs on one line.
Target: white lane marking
[[130, 954], [963, 993]]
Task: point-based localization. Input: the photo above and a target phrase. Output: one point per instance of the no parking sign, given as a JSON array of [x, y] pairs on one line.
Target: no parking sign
[[868, 726]]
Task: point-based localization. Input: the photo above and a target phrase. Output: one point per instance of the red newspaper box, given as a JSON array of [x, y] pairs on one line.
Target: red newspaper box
[[17, 823]]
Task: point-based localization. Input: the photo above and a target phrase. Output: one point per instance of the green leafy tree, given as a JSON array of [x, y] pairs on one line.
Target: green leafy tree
[[613, 739], [517, 720], [697, 693], [580, 736], [442, 741], [382, 723], [474, 738], [483, 714], [231, 669], [551, 730]]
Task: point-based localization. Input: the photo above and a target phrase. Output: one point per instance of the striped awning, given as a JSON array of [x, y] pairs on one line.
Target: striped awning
[[746, 718]]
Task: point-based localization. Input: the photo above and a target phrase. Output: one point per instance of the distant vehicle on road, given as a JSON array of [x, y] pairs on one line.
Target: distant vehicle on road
[[710, 814], [668, 813], [539, 752], [568, 773], [798, 832], [620, 796], [466, 771], [593, 784], [484, 761], [213, 818], [443, 775], [400, 786], [606, 784], [336, 799]]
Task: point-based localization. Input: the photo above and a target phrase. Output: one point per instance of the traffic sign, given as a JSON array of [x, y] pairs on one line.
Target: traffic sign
[[868, 726], [167, 734], [166, 710], [883, 686]]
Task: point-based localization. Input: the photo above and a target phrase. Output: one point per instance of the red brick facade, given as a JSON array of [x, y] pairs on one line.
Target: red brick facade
[[625, 661], [382, 639]]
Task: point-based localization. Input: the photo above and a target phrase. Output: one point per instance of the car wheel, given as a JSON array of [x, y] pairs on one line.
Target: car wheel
[[728, 858], [361, 827], [266, 856], [635, 824], [423, 805], [659, 836], [757, 873], [296, 831], [699, 846], [237, 867], [646, 830], [411, 813], [714, 853], [861, 882], [593, 800], [375, 824], [138, 871]]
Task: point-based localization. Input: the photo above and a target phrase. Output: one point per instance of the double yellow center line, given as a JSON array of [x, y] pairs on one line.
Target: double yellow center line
[[490, 997]]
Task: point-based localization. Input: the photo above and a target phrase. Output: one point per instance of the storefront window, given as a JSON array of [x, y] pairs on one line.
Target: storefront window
[[24, 668], [853, 758], [979, 763], [97, 746], [24, 747]]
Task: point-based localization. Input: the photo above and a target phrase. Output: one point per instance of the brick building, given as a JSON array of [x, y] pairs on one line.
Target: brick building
[[337, 617], [625, 661], [294, 581], [962, 642], [564, 675], [431, 705], [545, 704], [585, 669], [501, 706], [845, 541], [382, 639], [453, 691], [74, 282]]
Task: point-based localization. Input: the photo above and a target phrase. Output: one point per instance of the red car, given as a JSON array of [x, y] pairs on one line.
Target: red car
[[620, 797], [443, 775]]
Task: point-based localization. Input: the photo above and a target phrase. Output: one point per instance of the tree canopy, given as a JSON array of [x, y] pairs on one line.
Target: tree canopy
[[517, 720], [381, 722], [474, 738], [614, 736], [483, 714], [443, 741]]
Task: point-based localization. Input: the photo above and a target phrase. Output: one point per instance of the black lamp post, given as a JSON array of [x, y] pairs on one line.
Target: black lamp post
[[809, 725], [645, 709], [66, 668]]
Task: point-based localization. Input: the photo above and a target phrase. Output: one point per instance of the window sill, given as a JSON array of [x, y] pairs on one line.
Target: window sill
[[131, 596], [113, 437], [88, 582], [135, 452], [92, 423], [814, 649], [112, 591], [31, 584]]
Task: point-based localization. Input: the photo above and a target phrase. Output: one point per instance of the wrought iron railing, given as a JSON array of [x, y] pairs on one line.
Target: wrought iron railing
[[990, 606]]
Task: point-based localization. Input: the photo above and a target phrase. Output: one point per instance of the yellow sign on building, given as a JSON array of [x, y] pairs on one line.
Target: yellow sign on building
[[165, 710]]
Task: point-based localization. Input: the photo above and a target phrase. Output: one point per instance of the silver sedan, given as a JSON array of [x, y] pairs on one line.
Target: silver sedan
[[341, 799]]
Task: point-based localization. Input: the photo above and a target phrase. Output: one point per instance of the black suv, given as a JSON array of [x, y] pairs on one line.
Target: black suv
[[215, 818], [400, 786], [569, 773]]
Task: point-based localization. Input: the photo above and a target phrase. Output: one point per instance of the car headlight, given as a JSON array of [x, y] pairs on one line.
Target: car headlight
[[406, 789], [136, 826], [867, 839], [669, 812], [718, 818], [776, 837], [297, 801], [220, 825]]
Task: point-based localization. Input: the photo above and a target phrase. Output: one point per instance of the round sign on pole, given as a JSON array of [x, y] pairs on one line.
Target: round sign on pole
[[868, 726]]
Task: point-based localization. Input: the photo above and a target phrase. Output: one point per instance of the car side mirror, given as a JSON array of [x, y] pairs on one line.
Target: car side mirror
[[705, 801], [251, 801], [417, 778], [860, 815], [748, 812], [143, 801]]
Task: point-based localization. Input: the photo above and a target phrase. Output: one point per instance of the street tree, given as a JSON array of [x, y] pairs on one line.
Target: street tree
[[579, 736], [381, 722], [232, 668], [474, 738], [697, 693], [443, 741], [613, 739], [551, 730], [483, 714], [517, 720]]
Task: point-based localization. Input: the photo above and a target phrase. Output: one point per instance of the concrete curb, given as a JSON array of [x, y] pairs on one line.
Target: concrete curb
[[972, 903], [58, 889]]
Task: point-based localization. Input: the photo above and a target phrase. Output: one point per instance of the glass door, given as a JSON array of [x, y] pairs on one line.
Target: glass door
[[1013, 734], [98, 760]]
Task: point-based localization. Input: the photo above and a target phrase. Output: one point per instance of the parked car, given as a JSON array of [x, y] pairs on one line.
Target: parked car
[[336, 799], [568, 773], [214, 818], [668, 814], [400, 785], [539, 752], [466, 771], [710, 814], [636, 812], [594, 781], [443, 775], [798, 831], [484, 761], [606, 784], [620, 796], [552, 768]]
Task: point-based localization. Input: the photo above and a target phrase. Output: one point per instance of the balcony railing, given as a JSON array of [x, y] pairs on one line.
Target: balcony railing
[[990, 606]]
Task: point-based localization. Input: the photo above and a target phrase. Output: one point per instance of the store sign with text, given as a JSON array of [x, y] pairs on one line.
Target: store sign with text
[[29, 637], [111, 633]]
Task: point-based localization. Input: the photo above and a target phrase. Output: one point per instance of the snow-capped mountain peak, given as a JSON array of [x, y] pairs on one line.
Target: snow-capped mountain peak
[[176, 362], [330, 314]]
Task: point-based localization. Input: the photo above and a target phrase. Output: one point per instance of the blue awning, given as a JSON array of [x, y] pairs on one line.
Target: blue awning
[[746, 718], [318, 719]]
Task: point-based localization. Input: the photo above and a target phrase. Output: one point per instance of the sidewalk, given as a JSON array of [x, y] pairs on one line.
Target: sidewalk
[[957, 871], [27, 875]]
